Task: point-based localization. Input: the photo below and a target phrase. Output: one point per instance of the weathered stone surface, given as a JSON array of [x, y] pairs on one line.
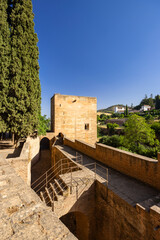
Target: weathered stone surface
[[74, 116], [23, 215]]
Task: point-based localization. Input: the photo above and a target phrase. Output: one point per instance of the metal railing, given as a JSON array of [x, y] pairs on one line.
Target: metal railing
[[49, 190], [61, 167]]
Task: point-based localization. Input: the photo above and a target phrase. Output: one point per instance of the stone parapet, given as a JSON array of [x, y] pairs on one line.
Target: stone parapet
[[139, 167]]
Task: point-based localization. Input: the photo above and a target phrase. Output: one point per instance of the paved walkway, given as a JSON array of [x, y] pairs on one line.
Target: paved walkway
[[129, 189], [22, 214]]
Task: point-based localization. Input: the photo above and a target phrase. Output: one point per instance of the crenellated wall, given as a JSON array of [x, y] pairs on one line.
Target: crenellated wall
[[142, 168]]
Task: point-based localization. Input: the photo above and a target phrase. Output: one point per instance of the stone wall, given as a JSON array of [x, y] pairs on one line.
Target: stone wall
[[74, 116], [62, 161], [142, 168], [29, 156], [117, 220]]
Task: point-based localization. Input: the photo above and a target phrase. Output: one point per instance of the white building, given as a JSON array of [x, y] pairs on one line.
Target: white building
[[145, 108], [119, 109]]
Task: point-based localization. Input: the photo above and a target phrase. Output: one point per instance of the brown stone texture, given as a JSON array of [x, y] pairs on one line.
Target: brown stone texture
[[117, 220], [139, 167], [75, 117]]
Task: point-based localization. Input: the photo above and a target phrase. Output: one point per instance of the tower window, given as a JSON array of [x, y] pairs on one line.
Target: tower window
[[86, 127]]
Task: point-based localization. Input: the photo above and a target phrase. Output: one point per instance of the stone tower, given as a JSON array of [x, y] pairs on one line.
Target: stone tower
[[74, 116]]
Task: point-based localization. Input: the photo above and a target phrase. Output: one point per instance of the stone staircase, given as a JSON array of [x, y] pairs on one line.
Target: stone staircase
[[55, 191], [51, 186], [62, 185]]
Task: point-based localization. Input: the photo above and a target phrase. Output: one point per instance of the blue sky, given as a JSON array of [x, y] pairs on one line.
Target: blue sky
[[109, 49]]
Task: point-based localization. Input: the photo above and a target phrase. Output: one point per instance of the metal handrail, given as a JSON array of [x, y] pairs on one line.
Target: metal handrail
[[48, 170], [65, 168], [54, 175]]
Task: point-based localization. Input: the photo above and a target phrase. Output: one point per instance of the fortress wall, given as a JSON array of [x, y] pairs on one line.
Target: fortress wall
[[62, 166], [28, 156], [142, 168], [81, 146], [116, 219]]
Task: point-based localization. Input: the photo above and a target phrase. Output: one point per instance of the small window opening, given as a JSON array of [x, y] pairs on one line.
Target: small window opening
[[86, 126]]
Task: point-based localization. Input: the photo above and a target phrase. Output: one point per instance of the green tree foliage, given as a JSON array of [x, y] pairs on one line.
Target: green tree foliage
[[126, 111], [44, 125], [98, 118], [114, 140], [156, 127], [157, 102], [102, 118], [4, 63], [111, 127], [137, 131], [99, 132], [24, 89], [149, 118]]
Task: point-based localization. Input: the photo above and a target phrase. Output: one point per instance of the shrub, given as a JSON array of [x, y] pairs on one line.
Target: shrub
[[114, 141], [111, 127]]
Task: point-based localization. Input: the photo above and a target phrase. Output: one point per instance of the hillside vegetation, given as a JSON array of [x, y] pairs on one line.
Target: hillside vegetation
[[111, 108]]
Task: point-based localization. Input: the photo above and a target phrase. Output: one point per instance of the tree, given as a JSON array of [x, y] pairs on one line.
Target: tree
[[4, 63], [126, 111], [150, 102], [44, 125], [24, 90], [137, 131], [114, 140], [157, 102], [111, 127]]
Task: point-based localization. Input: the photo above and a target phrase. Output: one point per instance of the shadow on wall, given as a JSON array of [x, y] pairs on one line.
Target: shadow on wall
[[17, 151], [77, 223], [44, 143]]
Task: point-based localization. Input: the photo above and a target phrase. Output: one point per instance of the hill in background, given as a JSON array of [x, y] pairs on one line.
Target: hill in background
[[111, 108]]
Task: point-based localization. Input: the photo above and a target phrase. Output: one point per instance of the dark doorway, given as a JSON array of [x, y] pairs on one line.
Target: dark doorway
[[44, 144]]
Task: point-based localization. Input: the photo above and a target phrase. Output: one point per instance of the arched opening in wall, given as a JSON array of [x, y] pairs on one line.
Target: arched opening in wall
[[44, 143], [44, 162], [77, 223]]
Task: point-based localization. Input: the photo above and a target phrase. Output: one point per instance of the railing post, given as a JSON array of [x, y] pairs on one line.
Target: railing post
[[76, 156], [81, 159], [76, 192], [61, 166], [71, 182], [53, 202], [46, 180], [107, 177], [95, 170], [107, 183]]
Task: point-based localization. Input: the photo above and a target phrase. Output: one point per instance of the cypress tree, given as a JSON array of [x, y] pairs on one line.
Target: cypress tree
[[157, 102], [4, 63], [24, 96]]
